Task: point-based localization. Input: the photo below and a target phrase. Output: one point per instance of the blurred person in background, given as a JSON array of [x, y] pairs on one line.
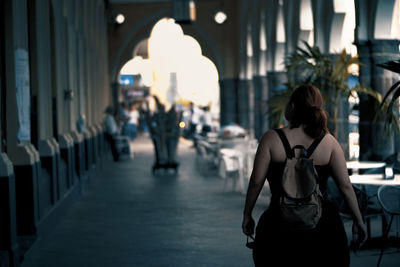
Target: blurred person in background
[[172, 133], [194, 121], [130, 126], [206, 121], [111, 127]]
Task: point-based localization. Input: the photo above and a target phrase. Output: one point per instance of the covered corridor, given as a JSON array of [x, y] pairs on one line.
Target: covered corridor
[[128, 217]]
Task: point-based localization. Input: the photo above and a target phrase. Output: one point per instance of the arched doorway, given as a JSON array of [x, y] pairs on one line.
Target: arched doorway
[[170, 65]]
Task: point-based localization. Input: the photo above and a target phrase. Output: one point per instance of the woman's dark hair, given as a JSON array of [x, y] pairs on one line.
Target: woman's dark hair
[[306, 107]]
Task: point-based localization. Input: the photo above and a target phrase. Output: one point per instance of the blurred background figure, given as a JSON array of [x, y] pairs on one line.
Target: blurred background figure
[[111, 131], [122, 115], [172, 129], [130, 126], [206, 121], [81, 123], [157, 133], [194, 121], [143, 110]]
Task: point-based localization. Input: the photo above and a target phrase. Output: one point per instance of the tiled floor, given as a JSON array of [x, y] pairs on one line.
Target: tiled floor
[[128, 217]]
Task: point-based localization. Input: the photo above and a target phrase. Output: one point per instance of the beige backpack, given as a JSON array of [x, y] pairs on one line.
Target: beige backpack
[[300, 201]]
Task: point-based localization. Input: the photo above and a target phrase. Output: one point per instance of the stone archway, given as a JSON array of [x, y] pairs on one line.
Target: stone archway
[[137, 32], [133, 43], [385, 27], [178, 70], [141, 30]]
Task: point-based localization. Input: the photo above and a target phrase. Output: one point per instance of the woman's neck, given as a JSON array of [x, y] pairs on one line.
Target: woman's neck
[[301, 126]]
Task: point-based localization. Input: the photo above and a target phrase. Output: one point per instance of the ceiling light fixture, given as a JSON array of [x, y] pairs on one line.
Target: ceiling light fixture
[[120, 18], [220, 17]]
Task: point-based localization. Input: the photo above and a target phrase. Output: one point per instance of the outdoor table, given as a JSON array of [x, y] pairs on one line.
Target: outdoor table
[[374, 179], [363, 181], [356, 165]]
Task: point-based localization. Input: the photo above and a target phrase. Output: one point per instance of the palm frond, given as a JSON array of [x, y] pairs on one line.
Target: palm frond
[[392, 88], [392, 123], [393, 65], [276, 106], [340, 71], [395, 97], [390, 117], [307, 65], [303, 52], [314, 51], [360, 89]]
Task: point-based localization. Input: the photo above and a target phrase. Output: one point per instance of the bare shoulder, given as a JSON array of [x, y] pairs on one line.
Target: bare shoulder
[[272, 144], [270, 137], [267, 141], [331, 141], [325, 149]]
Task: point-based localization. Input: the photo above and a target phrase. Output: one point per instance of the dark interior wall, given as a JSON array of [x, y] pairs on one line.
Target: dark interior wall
[[2, 80], [32, 29]]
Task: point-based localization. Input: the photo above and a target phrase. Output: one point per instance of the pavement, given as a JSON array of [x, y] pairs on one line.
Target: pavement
[[129, 217]]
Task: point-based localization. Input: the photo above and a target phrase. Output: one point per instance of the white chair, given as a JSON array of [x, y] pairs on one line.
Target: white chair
[[231, 168], [206, 160], [389, 198], [248, 149]]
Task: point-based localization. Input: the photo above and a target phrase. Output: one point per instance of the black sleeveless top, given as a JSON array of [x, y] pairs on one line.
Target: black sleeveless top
[[326, 245]]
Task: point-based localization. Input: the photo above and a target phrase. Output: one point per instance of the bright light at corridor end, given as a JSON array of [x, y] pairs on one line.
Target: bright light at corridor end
[[120, 18], [179, 69], [220, 17]]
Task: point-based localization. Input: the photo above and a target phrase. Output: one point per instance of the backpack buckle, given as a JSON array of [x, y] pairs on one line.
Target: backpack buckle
[[302, 148]]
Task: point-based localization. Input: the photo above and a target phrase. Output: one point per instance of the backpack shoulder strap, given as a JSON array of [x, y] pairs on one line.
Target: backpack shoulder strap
[[314, 145], [285, 142]]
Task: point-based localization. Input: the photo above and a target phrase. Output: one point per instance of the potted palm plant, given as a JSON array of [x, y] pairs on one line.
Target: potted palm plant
[[309, 65]]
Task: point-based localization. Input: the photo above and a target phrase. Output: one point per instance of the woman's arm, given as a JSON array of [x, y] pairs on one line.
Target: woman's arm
[[256, 183], [341, 176]]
